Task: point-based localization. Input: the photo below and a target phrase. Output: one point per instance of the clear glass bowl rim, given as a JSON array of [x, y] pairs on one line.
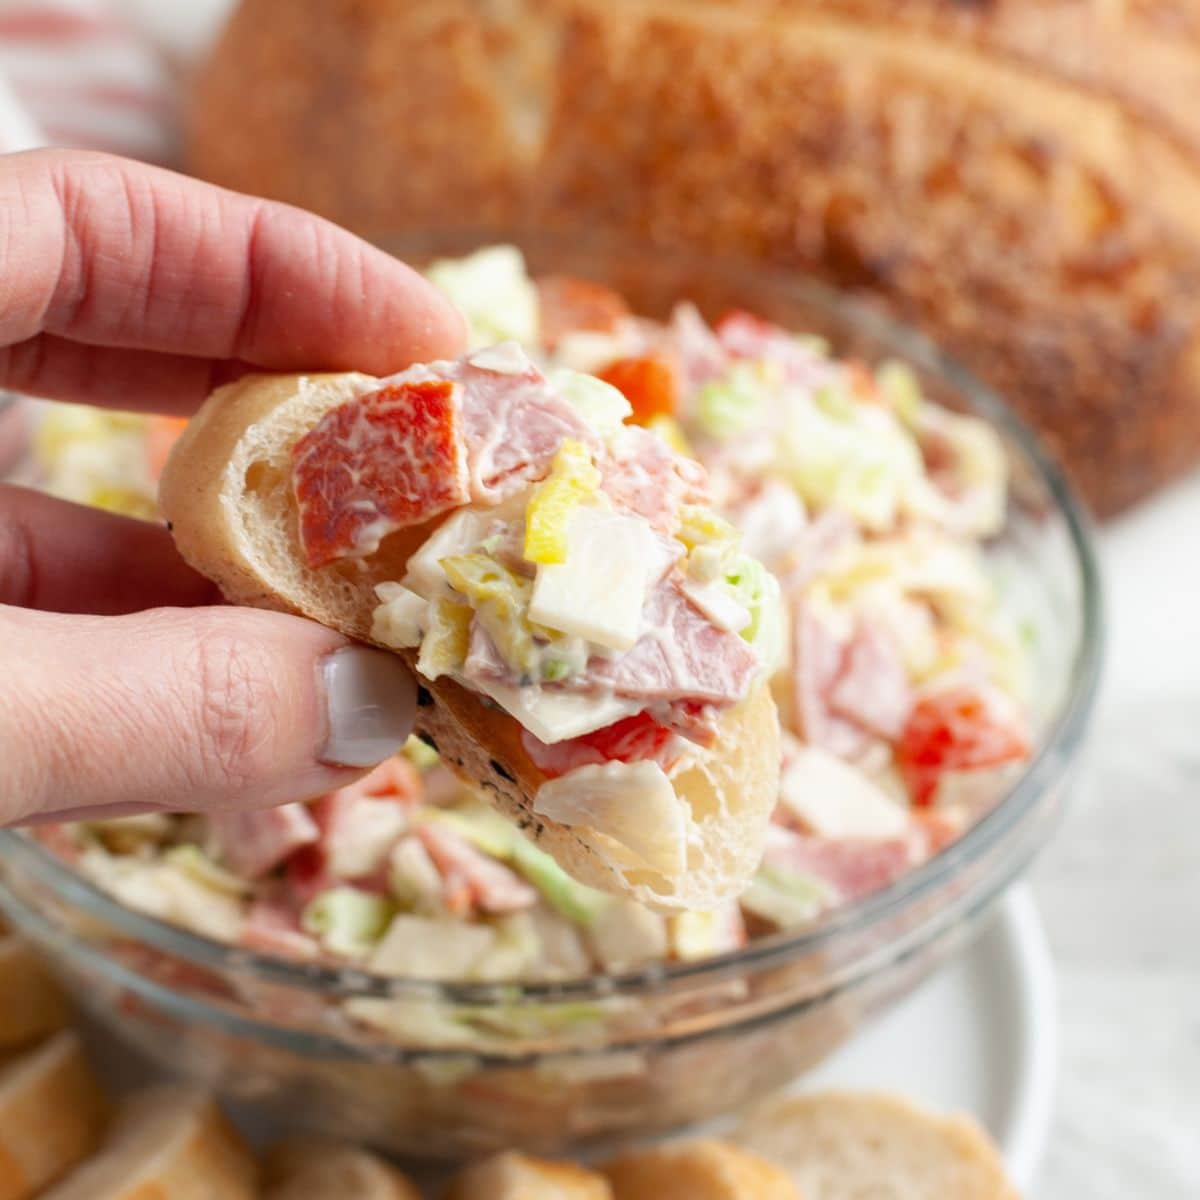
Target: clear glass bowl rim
[[1053, 759]]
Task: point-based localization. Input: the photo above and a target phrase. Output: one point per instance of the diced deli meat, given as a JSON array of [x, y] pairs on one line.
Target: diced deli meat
[[428, 440], [471, 880], [253, 843], [872, 689], [681, 656], [643, 475], [853, 867], [388, 460], [360, 823], [273, 927], [568, 305], [513, 421], [817, 657], [743, 335]]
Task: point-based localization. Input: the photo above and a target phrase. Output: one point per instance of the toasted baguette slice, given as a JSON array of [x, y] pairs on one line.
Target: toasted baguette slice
[[699, 1170], [32, 1005], [514, 1176], [52, 1115], [844, 1145], [167, 1141], [226, 492], [312, 1169]]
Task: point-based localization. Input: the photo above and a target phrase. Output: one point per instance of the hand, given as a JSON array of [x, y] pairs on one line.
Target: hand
[[130, 287]]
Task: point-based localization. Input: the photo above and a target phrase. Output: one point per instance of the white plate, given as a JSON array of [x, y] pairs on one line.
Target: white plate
[[980, 1037]]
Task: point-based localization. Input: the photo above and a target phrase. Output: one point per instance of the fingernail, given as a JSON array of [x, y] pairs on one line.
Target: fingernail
[[370, 699]]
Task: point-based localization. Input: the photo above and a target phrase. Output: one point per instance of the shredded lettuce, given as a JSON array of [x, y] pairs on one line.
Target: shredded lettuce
[[785, 898], [601, 405], [420, 753], [757, 591], [491, 833], [733, 404], [347, 921], [493, 291]]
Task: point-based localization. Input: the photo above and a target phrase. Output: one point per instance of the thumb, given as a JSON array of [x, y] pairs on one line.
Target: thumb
[[188, 709]]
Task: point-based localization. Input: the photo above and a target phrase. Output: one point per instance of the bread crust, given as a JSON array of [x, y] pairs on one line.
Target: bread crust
[[846, 1142], [1018, 177], [226, 495], [52, 1115]]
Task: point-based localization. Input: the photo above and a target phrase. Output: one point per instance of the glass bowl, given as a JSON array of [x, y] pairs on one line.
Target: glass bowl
[[604, 1059]]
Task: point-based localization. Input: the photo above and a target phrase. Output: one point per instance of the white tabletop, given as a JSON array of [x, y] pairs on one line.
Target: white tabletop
[[1119, 888]]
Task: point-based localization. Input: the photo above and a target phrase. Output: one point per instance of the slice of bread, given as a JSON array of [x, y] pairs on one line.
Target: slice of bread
[[860, 1145], [698, 1170], [52, 1115], [314, 1169], [227, 493], [32, 1005], [167, 1143], [513, 1176]]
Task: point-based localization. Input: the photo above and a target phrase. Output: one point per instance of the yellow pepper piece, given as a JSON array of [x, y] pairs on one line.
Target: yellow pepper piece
[[445, 645], [500, 600], [699, 526], [573, 479]]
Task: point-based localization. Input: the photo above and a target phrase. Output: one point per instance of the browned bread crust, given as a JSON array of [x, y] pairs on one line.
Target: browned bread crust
[[1019, 177]]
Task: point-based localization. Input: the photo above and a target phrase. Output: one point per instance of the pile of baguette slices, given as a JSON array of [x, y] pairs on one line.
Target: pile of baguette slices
[[63, 1138]]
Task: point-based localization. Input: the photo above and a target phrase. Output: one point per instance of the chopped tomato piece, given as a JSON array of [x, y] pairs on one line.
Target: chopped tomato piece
[[161, 435], [651, 385], [631, 740], [566, 304], [954, 730], [634, 739]]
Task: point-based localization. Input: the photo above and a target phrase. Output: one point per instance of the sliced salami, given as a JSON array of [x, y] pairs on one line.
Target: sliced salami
[[388, 460]]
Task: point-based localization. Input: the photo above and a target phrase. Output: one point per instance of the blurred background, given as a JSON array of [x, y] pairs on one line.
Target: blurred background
[[1020, 179]]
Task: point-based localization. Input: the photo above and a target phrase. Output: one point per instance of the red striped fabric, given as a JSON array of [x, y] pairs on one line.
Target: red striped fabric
[[102, 74]]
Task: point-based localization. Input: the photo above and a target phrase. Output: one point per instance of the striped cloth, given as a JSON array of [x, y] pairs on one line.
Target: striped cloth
[[104, 74]]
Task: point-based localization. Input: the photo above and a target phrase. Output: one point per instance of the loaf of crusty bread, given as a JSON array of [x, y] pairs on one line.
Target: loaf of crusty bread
[[32, 1005], [698, 1170], [514, 1176], [849, 1145], [311, 1168], [52, 1115], [168, 1142], [226, 493], [1019, 177]]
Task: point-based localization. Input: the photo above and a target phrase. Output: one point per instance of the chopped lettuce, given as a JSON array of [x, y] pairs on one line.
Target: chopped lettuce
[[420, 753], [757, 591], [347, 920], [486, 830], [194, 862], [493, 291], [601, 405], [735, 403], [786, 898]]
